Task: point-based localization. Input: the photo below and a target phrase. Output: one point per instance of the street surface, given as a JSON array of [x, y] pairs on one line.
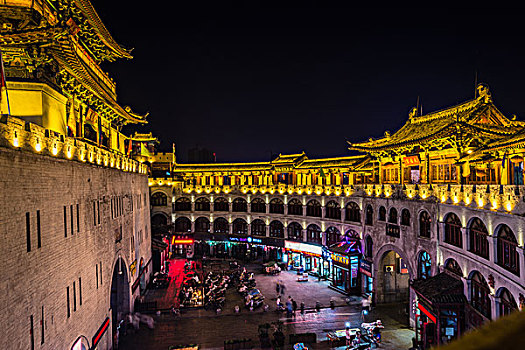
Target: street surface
[[210, 331]]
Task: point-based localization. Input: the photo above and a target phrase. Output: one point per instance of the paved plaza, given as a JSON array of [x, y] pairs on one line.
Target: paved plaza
[[210, 331]]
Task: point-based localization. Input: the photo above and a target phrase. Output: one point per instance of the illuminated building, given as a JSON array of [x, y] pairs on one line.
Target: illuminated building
[[439, 203], [76, 239]]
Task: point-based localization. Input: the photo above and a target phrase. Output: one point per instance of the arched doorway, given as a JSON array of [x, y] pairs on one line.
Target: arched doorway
[[120, 296], [392, 276]]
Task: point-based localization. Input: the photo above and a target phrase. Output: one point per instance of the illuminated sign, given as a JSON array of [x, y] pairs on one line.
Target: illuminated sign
[[410, 161], [245, 239], [342, 259], [365, 267], [304, 248], [181, 241], [133, 268], [100, 333]]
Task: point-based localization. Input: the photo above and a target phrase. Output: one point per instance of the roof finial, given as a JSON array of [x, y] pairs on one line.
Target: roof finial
[[484, 93]]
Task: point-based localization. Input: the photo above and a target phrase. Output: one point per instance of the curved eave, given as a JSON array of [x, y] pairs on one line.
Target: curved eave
[[104, 35], [73, 64]]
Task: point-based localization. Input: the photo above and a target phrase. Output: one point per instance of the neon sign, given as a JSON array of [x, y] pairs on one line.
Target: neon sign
[[304, 248], [342, 259]]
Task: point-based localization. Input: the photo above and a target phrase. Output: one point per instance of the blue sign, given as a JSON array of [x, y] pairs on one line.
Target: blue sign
[[245, 239]]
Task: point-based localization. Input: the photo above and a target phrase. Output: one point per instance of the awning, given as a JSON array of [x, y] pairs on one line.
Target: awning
[[348, 247]]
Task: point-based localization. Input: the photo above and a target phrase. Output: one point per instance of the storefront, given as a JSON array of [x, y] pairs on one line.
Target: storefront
[[345, 266], [365, 269], [439, 309], [238, 246], [182, 246], [308, 257]]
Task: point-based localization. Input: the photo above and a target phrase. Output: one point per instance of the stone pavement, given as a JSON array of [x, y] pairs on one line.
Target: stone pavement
[[198, 326]]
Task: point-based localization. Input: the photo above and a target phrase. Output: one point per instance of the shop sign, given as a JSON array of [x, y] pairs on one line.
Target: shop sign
[[98, 335], [365, 267], [245, 239], [342, 259], [327, 255], [410, 161], [133, 268], [304, 248]]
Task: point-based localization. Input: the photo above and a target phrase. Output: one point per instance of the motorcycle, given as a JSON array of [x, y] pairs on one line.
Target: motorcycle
[[373, 330]]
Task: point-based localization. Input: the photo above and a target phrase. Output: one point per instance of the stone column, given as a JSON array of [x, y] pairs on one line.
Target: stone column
[[230, 228]]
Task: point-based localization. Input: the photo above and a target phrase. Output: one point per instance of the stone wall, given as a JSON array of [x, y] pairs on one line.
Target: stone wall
[[80, 225]]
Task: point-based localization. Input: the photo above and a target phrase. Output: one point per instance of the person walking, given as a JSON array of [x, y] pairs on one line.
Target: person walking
[[282, 288], [294, 307], [289, 307], [348, 337], [277, 287], [278, 303]]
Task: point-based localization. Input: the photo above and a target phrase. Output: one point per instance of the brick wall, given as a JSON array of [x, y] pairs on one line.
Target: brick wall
[[39, 278]]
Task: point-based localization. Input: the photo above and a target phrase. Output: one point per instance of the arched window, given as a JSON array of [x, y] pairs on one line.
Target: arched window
[[220, 225], [183, 224], [313, 208], [258, 228], [405, 217], [333, 236], [453, 266], [314, 234], [392, 216], [221, 204], [202, 204], [382, 214], [240, 205], [183, 204], [258, 206], [240, 227], [159, 220], [276, 229], [202, 225], [424, 265], [295, 207], [506, 247], [369, 247], [453, 230], [506, 303], [369, 220], [295, 231], [479, 294], [159, 199], [276, 206], [424, 224], [332, 211], [352, 212], [479, 244]]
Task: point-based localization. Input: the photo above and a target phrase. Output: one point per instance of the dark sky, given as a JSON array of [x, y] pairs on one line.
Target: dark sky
[[253, 80]]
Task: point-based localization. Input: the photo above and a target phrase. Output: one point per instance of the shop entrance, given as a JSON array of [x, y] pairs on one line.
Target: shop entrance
[[392, 278], [120, 298]]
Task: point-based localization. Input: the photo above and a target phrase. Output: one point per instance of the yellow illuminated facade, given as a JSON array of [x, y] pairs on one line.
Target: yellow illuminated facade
[[58, 99]]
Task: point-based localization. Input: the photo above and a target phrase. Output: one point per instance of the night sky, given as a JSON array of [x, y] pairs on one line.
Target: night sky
[[250, 81]]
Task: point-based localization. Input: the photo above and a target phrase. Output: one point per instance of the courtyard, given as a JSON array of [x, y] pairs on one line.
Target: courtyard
[[210, 330]]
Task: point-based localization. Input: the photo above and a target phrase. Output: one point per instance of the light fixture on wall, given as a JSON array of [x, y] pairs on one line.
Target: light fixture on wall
[[119, 265]]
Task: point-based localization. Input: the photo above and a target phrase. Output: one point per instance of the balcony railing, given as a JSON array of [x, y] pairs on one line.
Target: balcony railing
[[503, 198]]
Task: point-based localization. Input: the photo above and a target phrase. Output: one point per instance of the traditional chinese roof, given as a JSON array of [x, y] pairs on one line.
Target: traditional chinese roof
[[281, 163], [477, 118], [71, 33], [434, 288], [92, 25]]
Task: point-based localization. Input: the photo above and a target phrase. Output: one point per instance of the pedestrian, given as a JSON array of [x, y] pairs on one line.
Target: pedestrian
[[348, 337], [302, 307], [289, 307], [282, 289], [278, 302], [357, 339], [294, 307]]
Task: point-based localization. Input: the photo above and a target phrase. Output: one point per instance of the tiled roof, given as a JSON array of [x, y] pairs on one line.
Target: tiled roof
[[435, 287]]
